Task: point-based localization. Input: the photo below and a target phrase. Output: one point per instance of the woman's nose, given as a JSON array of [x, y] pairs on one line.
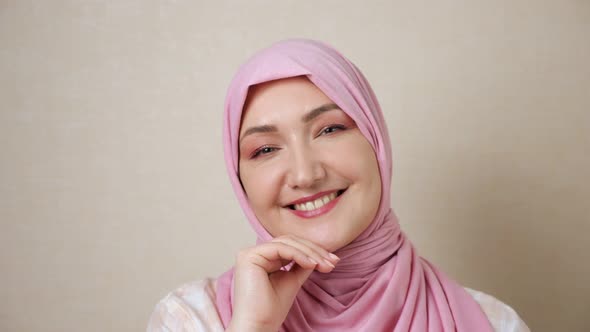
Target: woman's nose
[[305, 169]]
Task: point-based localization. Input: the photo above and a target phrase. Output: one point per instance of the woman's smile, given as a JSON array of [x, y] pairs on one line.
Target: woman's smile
[[316, 205]]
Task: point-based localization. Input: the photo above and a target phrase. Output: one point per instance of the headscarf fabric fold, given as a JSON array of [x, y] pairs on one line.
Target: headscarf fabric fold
[[380, 283]]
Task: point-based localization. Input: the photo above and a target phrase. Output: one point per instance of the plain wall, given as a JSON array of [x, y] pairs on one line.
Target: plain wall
[[112, 183]]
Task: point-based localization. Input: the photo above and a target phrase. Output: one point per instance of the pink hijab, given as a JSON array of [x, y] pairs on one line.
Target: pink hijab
[[380, 284]]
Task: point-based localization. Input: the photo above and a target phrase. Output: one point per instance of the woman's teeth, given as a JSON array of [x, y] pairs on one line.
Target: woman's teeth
[[318, 203]]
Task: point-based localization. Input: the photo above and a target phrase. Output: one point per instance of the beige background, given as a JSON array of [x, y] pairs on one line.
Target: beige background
[[112, 184]]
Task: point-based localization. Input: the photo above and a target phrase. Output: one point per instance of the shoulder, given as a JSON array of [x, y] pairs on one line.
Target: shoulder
[[502, 317], [190, 307]]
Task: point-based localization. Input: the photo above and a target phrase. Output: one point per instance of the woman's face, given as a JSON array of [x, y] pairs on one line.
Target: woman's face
[[305, 166]]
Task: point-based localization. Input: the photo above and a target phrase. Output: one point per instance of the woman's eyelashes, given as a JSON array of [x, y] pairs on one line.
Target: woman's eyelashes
[[263, 150], [331, 129]]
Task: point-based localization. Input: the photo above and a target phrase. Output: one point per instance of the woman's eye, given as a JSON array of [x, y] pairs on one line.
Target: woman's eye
[[262, 151], [330, 129]]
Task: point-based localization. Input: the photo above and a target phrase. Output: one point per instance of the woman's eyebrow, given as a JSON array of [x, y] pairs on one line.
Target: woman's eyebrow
[[259, 129], [314, 113]]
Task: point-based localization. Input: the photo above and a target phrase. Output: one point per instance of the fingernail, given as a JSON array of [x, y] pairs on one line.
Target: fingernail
[[334, 257], [329, 263], [312, 260]]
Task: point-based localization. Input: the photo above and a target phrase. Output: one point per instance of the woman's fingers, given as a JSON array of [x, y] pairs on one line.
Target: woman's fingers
[[271, 256], [326, 260]]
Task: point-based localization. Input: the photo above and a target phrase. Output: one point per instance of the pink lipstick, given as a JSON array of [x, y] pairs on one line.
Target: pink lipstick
[[315, 205]]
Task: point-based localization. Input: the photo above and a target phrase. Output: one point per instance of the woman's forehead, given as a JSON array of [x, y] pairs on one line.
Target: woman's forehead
[[282, 97], [298, 85]]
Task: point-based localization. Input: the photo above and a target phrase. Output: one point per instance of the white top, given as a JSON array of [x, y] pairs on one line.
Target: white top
[[191, 308]]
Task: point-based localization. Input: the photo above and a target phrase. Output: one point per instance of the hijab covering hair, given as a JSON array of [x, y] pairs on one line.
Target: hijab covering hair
[[380, 283]]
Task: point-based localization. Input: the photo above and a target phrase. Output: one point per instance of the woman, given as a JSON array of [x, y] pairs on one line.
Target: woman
[[309, 157]]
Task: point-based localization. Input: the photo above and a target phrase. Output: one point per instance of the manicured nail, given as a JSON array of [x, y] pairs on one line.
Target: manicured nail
[[334, 257], [329, 263], [312, 260]]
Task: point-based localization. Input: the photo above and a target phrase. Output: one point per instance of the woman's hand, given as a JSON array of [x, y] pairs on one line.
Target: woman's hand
[[263, 293]]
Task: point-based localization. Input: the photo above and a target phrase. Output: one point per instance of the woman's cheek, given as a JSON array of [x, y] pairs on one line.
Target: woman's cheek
[[351, 155], [264, 182], [272, 175]]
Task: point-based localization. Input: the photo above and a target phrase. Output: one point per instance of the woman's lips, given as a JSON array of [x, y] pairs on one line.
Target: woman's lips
[[314, 212]]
